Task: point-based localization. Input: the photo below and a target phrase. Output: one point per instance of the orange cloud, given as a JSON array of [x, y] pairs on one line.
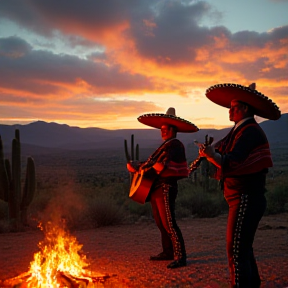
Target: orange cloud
[[140, 56]]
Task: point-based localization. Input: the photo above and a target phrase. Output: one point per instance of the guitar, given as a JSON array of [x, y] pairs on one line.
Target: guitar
[[141, 184], [145, 176], [196, 163]]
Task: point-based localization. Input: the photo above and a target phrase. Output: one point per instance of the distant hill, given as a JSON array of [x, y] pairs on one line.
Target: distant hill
[[43, 137]]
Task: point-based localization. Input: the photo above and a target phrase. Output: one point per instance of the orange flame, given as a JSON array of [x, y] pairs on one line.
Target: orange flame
[[59, 252]]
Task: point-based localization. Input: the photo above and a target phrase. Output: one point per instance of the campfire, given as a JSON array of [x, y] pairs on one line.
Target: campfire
[[59, 263]]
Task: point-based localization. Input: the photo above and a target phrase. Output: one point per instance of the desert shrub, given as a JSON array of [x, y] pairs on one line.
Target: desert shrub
[[192, 200], [86, 205], [118, 193], [202, 205], [182, 212], [207, 205], [136, 210], [104, 211], [277, 200]]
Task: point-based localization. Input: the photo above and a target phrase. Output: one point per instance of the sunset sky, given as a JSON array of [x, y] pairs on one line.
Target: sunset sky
[[97, 63]]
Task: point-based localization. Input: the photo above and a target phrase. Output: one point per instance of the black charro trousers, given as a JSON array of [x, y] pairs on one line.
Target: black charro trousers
[[163, 209], [243, 219]]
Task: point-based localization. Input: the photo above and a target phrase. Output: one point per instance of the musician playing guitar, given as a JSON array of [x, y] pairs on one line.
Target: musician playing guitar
[[169, 164]]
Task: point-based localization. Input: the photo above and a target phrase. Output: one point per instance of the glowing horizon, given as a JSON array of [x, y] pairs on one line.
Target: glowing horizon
[[69, 64]]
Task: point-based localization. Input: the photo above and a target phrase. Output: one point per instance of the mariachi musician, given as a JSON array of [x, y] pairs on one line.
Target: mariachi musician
[[243, 158], [169, 164]]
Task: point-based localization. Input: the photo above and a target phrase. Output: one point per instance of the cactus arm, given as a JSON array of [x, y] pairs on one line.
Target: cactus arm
[[16, 166], [134, 151], [8, 170], [15, 192], [4, 180], [128, 158], [10, 183], [28, 190], [29, 186], [132, 147], [137, 152], [17, 135]]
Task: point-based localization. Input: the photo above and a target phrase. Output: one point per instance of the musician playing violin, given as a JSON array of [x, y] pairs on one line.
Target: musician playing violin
[[170, 165]]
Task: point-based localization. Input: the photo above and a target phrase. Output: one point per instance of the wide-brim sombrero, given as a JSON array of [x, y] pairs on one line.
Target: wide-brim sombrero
[[156, 120], [223, 94]]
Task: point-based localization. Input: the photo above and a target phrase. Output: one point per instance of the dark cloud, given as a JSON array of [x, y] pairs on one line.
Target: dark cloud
[[259, 40], [44, 17], [25, 15], [14, 47], [278, 33], [171, 33], [166, 32], [266, 59], [43, 72], [133, 47]]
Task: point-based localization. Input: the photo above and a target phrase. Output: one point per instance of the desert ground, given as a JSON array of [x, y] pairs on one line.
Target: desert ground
[[122, 253]]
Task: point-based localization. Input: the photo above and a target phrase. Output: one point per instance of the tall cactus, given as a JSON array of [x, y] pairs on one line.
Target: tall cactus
[[4, 180], [10, 184], [15, 189], [28, 189], [130, 157]]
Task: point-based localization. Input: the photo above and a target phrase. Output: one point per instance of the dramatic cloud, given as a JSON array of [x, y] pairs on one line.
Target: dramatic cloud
[[102, 57]]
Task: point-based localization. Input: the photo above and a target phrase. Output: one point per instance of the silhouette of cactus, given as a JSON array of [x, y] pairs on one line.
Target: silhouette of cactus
[[10, 184], [130, 157], [4, 179]]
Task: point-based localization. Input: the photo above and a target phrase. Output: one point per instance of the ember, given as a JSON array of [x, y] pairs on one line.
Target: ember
[[59, 263]]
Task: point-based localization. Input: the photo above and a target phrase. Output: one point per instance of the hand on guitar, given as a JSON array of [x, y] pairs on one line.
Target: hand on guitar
[[205, 149], [208, 151], [158, 166], [196, 163], [133, 166]]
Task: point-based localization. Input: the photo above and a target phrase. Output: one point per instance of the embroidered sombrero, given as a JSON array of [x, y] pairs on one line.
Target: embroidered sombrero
[[156, 120], [223, 94]]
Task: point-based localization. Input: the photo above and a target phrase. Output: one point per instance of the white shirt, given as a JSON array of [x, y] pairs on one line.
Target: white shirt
[[241, 122]]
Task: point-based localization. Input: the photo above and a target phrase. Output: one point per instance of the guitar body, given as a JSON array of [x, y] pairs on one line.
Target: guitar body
[[141, 185]]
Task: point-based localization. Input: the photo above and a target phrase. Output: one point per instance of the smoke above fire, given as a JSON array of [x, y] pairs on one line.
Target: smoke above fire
[[65, 205]]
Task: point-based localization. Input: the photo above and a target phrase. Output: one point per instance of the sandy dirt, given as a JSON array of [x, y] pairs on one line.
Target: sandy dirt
[[122, 252]]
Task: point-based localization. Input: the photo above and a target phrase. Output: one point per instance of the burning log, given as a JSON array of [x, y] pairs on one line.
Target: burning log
[[59, 264], [73, 282], [63, 280]]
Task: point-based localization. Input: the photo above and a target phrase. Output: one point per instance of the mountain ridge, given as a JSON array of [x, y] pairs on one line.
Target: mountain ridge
[[62, 136]]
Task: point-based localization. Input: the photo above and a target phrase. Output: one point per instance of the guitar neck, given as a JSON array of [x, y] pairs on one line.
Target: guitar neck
[[195, 164]]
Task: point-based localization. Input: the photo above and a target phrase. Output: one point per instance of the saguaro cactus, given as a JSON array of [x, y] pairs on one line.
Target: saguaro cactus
[[10, 183], [28, 189], [130, 157], [4, 180]]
